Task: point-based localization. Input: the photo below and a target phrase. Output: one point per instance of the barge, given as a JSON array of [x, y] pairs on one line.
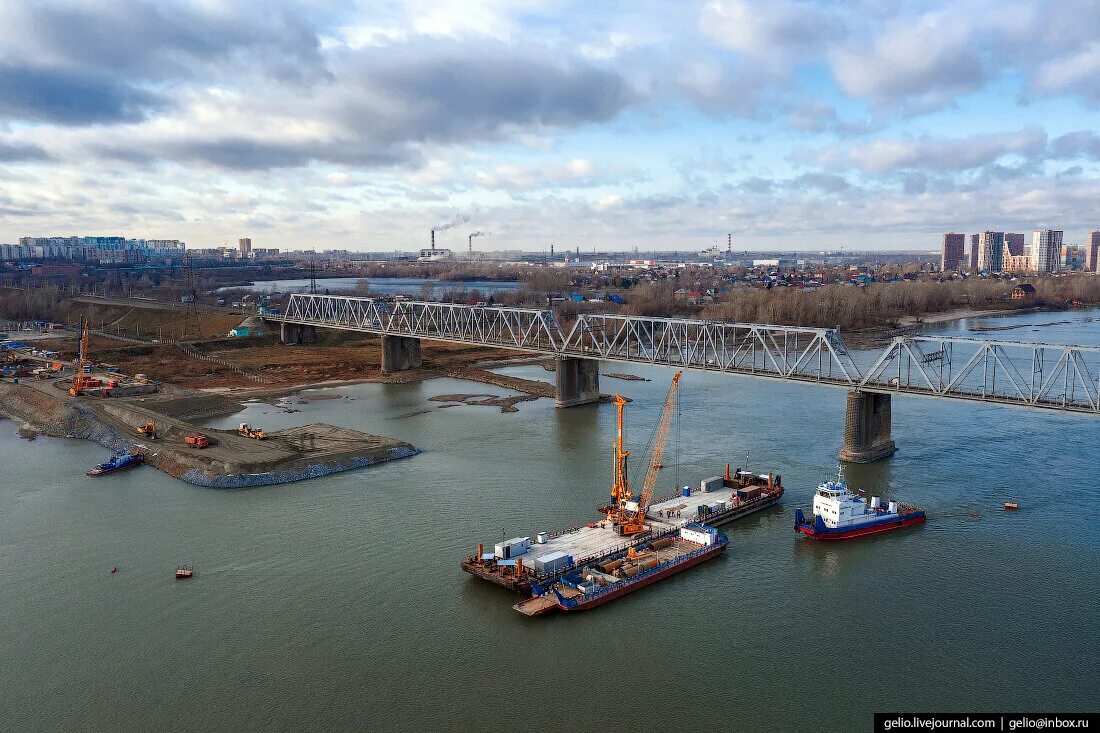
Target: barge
[[597, 583], [520, 564]]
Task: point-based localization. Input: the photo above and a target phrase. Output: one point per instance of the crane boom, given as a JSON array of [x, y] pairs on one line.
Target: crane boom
[[629, 516], [659, 442]]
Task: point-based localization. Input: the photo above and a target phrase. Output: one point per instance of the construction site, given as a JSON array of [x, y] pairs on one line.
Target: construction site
[[138, 415]]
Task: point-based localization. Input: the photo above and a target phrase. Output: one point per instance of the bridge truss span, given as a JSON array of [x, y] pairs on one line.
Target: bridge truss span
[[1051, 376], [784, 352], [1062, 377]]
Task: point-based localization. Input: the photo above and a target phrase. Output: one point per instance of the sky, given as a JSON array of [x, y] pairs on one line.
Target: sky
[[790, 125]]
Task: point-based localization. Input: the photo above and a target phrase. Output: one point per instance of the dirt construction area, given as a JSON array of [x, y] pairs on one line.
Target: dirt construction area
[[231, 460], [333, 359]]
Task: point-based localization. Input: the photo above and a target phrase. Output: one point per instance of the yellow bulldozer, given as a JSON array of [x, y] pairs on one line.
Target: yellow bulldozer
[[249, 432]]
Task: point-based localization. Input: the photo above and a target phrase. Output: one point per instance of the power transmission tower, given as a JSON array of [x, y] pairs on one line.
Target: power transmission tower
[[312, 275]]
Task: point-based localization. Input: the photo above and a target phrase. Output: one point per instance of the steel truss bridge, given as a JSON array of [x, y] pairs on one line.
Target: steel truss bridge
[[1051, 376]]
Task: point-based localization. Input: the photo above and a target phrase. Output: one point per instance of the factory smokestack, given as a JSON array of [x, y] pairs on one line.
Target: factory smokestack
[[729, 243]]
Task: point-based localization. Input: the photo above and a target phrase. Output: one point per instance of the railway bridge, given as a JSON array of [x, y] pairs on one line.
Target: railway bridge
[[1057, 377]]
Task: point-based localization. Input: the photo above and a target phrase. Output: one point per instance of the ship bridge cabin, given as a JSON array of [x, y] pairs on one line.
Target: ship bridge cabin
[[838, 508]]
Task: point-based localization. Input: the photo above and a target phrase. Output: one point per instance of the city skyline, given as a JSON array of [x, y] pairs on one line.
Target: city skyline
[[793, 125]]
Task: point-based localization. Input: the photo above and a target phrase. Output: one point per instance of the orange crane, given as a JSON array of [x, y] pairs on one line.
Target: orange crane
[[78, 381], [628, 516], [620, 489]]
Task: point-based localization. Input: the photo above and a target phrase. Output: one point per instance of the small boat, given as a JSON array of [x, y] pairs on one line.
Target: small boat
[[1011, 506], [114, 569], [840, 514], [118, 462], [184, 571]]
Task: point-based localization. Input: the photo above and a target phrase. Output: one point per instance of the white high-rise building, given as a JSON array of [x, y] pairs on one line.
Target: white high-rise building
[[1046, 249]]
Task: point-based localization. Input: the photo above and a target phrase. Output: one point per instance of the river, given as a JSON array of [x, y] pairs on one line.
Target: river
[[338, 603], [412, 286]]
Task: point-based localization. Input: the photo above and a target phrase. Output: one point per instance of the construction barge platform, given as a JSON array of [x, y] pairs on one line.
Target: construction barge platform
[[530, 566]]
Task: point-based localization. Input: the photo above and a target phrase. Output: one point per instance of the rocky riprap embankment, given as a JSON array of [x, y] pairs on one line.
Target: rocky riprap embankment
[[56, 418], [244, 481]]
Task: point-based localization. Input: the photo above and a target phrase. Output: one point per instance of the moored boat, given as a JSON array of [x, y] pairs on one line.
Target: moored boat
[[118, 462], [840, 514]]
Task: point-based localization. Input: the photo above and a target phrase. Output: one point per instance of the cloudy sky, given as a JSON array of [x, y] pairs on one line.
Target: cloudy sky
[[790, 124]]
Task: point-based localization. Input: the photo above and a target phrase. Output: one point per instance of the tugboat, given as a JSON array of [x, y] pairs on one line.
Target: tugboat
[[118, 462], [840, 514]]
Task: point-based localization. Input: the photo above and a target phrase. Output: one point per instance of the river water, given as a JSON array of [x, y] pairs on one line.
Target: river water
[[412, 286], [338, 603]]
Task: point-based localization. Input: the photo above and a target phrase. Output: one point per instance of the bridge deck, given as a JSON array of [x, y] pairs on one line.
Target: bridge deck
[[1049, 376]]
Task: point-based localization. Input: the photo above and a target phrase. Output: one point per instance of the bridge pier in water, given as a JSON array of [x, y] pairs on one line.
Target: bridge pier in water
[[867, 424], [400, 353], [577, 382]]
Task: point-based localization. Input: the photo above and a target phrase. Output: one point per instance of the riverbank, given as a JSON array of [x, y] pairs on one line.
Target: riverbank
[[232, 461], [879, 336]]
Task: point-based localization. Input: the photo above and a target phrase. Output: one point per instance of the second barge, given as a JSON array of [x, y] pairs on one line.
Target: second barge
[[594, 584]]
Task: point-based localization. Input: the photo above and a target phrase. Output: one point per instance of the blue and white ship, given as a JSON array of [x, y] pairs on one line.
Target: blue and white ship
[[840, 514]]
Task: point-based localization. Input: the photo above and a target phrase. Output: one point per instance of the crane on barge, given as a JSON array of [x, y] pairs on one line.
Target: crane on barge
[[626, 514]]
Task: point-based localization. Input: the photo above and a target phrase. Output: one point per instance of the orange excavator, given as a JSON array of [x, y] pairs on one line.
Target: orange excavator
[[78, 380], [626, 513]]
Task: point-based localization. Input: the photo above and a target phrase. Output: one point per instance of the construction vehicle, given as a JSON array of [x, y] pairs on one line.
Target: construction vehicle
[[83, 366], [149, 430], [626, 513], [196, 441], [249, 432]]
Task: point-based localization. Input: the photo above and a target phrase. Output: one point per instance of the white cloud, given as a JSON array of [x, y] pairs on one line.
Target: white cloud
[[777, 32], [946, 154], [931, 58], [1078, 71]]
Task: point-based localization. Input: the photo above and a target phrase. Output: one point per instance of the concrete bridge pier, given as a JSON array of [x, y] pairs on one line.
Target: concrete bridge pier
[[290, 333], [577, 383], [295, 333], [400, 353], [867, 424]]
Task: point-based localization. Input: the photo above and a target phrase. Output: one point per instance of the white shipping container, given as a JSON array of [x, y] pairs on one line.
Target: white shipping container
[[552, 562], [698, 536]]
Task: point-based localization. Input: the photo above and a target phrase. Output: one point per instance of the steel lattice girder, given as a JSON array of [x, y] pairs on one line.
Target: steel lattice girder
[[1058, 376], [1050, 376]]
